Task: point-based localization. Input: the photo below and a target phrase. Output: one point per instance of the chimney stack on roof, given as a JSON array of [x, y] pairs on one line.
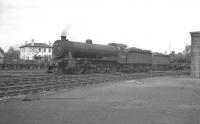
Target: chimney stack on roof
[[32, 42], [26, 42], [49, 43]]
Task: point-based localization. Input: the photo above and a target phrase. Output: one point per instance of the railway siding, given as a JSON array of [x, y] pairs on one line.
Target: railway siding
[[14, 84]]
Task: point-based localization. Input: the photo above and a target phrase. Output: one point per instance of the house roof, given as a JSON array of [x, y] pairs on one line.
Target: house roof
[[41, 45], [1, 50], [1, 55]]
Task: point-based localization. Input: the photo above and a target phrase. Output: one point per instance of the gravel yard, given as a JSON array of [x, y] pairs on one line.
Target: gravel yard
[[156, 100]]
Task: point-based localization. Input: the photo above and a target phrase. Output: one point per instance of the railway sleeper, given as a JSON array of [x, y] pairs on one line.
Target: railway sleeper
[[47, 88], [2, 94], [15, 88], [27, 86], [3, 88], [13, 93], [63, 86], [56, 87], [92, 82], [34, 90], [39, 86], [2, 85], [76, 84]]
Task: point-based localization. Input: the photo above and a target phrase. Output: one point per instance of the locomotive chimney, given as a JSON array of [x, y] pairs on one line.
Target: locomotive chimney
[[63, 37], [88, 41]]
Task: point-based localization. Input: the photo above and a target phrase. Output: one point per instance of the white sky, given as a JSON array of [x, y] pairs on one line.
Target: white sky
[[147, 24]]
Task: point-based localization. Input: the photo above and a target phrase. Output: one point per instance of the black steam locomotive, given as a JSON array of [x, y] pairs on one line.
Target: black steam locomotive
[[78, 58]]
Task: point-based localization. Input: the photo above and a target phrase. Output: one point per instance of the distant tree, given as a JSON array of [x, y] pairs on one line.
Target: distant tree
[[179, 61], [12, 55], [35, 52]]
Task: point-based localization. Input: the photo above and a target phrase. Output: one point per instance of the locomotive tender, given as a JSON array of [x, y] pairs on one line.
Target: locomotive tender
[[78, 58], [160, 62]]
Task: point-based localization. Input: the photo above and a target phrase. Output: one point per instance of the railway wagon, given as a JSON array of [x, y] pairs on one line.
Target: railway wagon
[[160, 62]]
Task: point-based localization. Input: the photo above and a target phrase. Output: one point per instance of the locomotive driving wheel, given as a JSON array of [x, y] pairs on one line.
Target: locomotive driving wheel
[[79, 70], [100, 69]]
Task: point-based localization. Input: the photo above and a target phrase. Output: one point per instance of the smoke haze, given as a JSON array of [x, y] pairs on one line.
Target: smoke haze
[[66, 29]]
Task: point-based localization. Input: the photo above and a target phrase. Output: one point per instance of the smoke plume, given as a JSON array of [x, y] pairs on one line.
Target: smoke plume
[[66, 29]]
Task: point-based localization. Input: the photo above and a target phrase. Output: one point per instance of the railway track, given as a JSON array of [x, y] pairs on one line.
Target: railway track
[[26, 83]]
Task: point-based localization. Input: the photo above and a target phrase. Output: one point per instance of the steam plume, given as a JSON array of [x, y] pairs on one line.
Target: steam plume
[[66, 29]]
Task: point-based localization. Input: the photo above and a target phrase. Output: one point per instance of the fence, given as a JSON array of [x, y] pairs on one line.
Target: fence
[[23, 66]]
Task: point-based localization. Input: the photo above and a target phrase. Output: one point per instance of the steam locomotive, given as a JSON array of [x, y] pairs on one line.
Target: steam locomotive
[[78, 58]]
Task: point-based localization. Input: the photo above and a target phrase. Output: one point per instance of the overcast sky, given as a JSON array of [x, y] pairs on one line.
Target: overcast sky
[[149, 24]]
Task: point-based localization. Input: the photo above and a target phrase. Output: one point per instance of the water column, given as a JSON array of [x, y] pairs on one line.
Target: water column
[[195, 54]]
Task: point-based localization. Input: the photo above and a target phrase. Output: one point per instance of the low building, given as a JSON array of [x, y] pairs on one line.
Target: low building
[[32, 51]]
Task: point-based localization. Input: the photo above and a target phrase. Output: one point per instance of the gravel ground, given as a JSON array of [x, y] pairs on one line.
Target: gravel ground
[[160, 100]]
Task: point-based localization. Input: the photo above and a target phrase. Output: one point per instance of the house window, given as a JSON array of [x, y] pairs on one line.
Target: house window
[[49, 50], [44, 49], [39, 49]]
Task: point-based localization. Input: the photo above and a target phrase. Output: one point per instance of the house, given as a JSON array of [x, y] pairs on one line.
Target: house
[[32, 51]]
